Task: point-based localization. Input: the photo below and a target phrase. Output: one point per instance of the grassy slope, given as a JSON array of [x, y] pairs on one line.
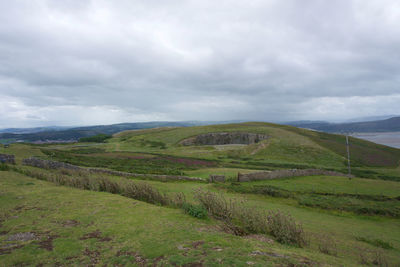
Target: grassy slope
[[151, 231], [131, 229]]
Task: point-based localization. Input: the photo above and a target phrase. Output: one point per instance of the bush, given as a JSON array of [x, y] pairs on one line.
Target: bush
[[139, 191], [197, 211], [145, 192], [4, 167], [216, 204], [327, 245], [241, 219], [285, 230]]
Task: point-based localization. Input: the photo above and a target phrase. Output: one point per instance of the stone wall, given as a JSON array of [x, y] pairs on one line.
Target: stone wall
[[49, 164], [224, 139], [216, 178], [6, 158], [257, 176]]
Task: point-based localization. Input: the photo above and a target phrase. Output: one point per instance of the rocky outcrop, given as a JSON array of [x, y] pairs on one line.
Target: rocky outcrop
[[257, 176], [6, 158], [224, 139]]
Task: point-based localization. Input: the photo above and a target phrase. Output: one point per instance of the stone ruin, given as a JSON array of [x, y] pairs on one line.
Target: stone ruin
[[216, 178], [6, 158], [224, 139]]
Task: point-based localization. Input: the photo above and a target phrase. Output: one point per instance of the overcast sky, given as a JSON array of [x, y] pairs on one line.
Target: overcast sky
[[83, 62]]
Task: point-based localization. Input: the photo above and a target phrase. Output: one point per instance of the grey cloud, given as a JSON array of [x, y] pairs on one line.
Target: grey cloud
[[179, 60]]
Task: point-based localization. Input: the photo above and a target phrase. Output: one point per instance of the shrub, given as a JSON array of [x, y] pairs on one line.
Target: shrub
[[197, 211], [327, 245], [145, 192], [241, 219], [4, 167], [216, 204], [285, 229]]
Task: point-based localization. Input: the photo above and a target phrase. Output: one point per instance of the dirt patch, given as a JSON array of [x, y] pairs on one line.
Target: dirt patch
[[96, 234], [138, 259], [93, 256], [7, 249], [47, 243], [157, 260], [197, 244], [22, 237], [258, 148], [70, 223]]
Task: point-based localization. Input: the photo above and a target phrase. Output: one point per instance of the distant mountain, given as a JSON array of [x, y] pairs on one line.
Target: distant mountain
[[387, 125], [73, 134], [34, 130], [370, 118]]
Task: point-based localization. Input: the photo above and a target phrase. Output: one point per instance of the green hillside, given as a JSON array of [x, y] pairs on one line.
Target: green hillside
[[68, 217], [286, 145]]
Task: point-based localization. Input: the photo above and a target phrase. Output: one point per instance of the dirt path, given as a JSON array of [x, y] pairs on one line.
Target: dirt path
[[258, 148]]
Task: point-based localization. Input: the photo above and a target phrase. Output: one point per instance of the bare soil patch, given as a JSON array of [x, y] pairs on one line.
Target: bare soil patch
[[70, 223], [7, 249], [96, 234], [47, 243]]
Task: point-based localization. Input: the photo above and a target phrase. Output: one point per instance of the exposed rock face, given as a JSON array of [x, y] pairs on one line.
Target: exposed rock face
[[224, 139], [5, 158]]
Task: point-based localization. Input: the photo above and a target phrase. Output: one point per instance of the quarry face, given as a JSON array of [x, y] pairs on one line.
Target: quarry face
[[224, 139]]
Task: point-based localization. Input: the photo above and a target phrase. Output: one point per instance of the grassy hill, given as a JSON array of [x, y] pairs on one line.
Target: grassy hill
[[77, 217]]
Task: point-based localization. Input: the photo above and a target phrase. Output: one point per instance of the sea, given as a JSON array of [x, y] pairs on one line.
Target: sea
[[388, 138]]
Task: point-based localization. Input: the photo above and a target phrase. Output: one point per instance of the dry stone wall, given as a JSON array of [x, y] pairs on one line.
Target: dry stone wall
[[49, 164], [257, 176], [216, 178], [6, 158], [224, 139]]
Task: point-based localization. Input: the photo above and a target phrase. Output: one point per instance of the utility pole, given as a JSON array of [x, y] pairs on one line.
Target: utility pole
[[348, 155]]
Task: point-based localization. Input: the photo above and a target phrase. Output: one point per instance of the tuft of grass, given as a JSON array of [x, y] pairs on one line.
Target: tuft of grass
[[284, 228], [327, 245]]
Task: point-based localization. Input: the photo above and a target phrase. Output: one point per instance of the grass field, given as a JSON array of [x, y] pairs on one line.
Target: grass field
[[347, 222]]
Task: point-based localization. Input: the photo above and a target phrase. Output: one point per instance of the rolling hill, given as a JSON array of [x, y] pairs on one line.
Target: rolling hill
[[119, 203]]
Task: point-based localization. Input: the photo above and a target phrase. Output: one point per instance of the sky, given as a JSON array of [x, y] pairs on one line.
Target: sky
[[88, 62]]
